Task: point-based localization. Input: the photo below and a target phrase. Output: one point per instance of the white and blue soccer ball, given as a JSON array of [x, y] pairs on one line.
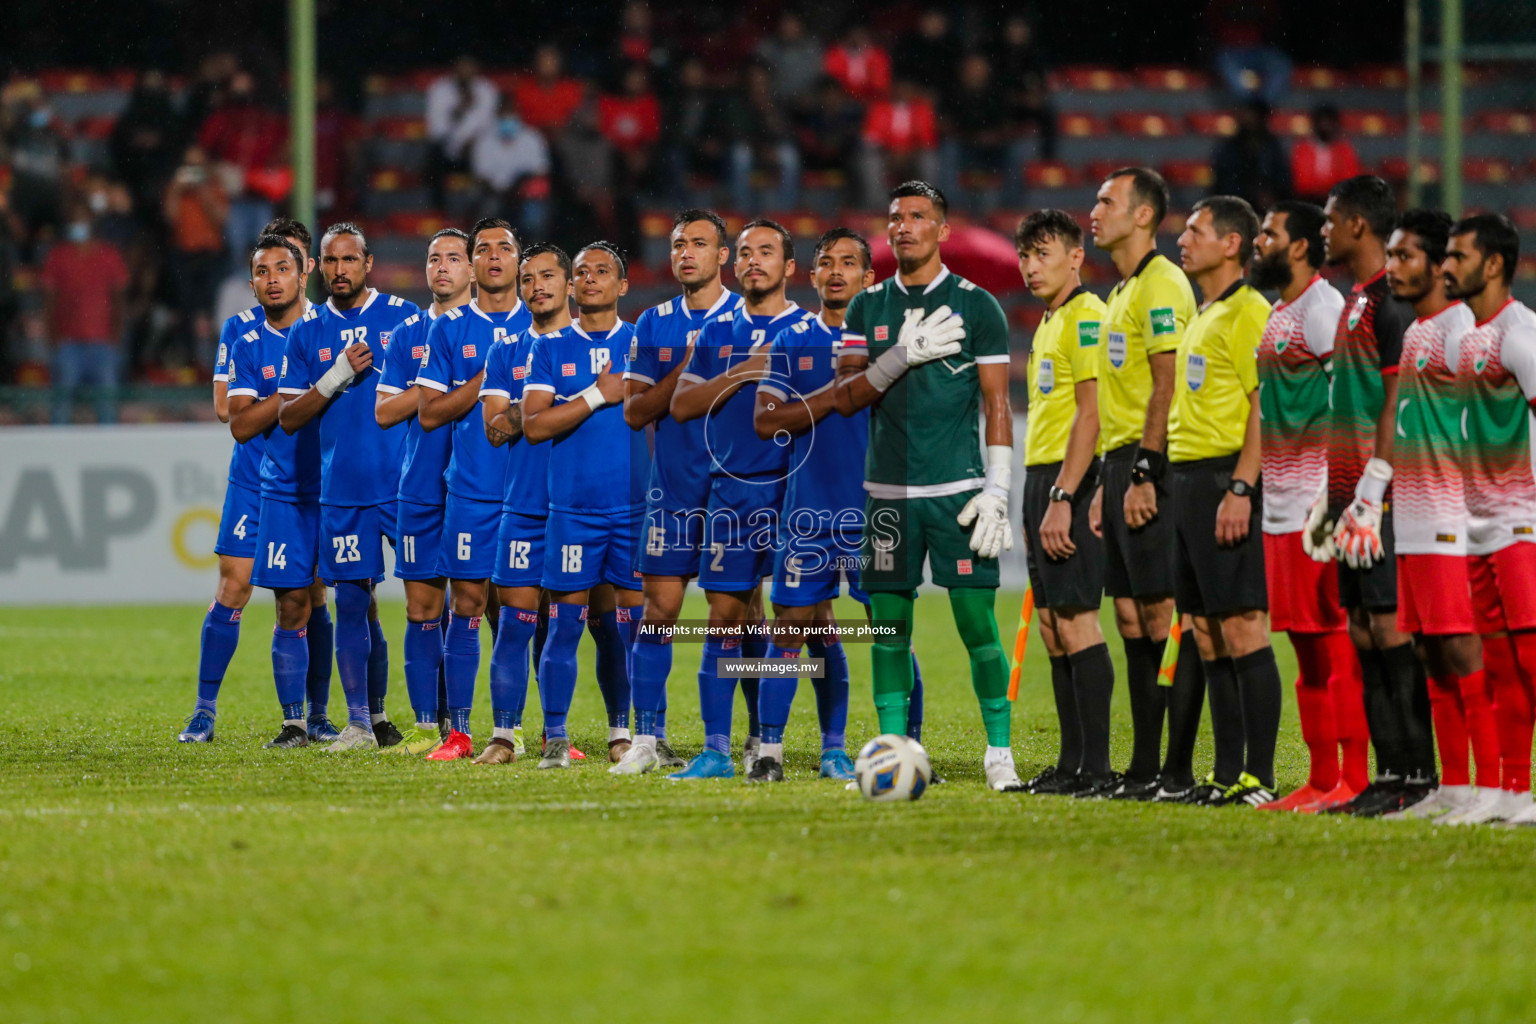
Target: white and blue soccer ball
[[892, 767]]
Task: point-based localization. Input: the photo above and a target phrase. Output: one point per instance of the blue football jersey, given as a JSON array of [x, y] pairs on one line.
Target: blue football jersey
[[727, 341], [526, 487], [359, 461], [826, 463], [424, 458], [245, 460], [601, 465], [678, 478], [457, 346], [290, 463]]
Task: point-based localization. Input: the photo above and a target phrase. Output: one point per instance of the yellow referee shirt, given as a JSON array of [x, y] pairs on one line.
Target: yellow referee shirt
[[1217, 370], [1147, 314], [1064, 354]]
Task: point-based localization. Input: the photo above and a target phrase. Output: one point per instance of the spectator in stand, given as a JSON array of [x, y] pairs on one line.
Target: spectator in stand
[[84, 281], [461, 106], [762, 138], [1252, 163], [510, 161], [1249, 63], [930, 56], [10, 306], [636, 43], [207, 92], [248, 139], [1324, 158], [900, 141], [860, 67], [141, 245], [693, 143], [547, 98], [977, 127], [630, 120], [831, 133], [34, 149], [146, 142], [1018, 67], [588, 201], [337, 157], [796, 59], [196, 209]]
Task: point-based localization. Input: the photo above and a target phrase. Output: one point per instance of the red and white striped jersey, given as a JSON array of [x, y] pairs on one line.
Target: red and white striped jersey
[[1294, 366], [1498, 370], [1429, 508]]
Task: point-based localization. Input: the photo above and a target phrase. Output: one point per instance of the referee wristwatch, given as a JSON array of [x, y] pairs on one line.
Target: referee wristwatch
[[1060, 494], [1241, 488]]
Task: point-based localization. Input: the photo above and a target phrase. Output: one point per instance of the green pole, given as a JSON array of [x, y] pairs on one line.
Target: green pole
[[1413, 52], [301, 108], [1450, 99]]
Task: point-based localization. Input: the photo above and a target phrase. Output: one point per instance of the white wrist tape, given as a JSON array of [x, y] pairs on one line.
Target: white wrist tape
[[337, 377], [593, 396], [887, 368], [1373, 483], [999, 469]]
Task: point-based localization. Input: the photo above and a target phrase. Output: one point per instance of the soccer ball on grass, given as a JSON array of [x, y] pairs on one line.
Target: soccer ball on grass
[[892, 767]]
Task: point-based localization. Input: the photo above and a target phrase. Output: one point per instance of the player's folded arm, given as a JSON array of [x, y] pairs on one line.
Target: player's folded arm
[[393, 406], [250, 415], [543, 419]]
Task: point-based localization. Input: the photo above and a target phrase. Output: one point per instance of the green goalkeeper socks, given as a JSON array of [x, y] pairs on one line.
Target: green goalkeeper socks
[[891, 661], [977, 623]]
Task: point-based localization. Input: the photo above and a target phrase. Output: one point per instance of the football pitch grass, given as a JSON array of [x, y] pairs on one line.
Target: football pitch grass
[[144, 880]]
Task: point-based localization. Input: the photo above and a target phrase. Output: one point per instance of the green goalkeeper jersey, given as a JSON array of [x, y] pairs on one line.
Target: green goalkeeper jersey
[[925, 432]]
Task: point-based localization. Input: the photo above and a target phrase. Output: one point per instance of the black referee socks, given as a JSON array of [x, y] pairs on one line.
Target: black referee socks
[[1142, 658], [1407, 682], [1066, 715], [1093, 677], [1380, 718], [1258, 680], [1186, 700], [1226, 719]]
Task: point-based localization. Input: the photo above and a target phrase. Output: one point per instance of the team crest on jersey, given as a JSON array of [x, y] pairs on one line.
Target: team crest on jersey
[[806, 362], [1358, 311], [469, 351], [1422, 361], [418, 351], [384, 339], [963, 566], [1045, 378], [267, 373], [664, 353], [1116, 349], [882, 333], [567, 369], [325, 355], [1194, 371]]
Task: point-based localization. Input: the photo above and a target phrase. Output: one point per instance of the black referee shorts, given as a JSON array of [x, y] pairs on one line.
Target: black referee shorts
[[1213, 580], [1077, 581], [1374, 589], [1137, 563]]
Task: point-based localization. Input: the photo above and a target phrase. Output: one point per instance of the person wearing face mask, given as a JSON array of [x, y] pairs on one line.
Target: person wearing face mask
[[196, 210], [510, 159], [84, 281]]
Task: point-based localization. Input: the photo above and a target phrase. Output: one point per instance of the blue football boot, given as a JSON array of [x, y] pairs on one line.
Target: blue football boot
[[199, 728], [321, 730], [836, 765], [710, 764]]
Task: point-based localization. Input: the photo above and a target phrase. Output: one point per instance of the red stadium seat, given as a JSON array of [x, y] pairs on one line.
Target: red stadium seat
[[75, 81], [1429, 122], [1525, 270], [1295, 123], [829, 179], [1172, 79], [1371, 123], [1081, 125], [1147, 123], [1090, 78], [391, 179], [1317, 78], [1506, 122], [1026, 316], [1050, 174], [1524, 217], [1189, 173], [419, 223], [1487, 170], [95, 127], [655, 224], [1395, 169], [401, 129], [1098, 170], [1381, 76], [1212, 122]]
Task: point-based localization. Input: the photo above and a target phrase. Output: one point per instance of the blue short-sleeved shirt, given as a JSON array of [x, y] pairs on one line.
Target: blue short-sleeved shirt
[[526, 489], [729, 340], [290, 463], [424, 456], [826, 474], [245, 460], [678, 479], [601, 465], [457, 345], [359, 460]]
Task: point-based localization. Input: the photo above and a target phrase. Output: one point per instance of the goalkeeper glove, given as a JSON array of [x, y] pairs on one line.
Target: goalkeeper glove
[[1317, 535], [1358, 533], [989, 509], [922, 340]]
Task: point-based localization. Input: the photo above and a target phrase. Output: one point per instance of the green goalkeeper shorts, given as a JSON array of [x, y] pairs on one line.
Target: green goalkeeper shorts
[[899, 533]]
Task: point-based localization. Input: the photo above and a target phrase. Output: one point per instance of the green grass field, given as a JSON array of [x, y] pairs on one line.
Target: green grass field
[[143, 880]]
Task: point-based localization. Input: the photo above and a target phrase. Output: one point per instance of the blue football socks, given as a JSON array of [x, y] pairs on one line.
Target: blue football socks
[[509, 666], [290, 663], [423, 661], [221, 635], [461, 664], [317, 680], [353, 645], [557, 667]]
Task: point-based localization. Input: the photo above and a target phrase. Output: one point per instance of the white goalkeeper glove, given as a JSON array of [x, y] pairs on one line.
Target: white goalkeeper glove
[[922, 340], [1317, 535], [989, 509], [336, 378], [1358, 533]]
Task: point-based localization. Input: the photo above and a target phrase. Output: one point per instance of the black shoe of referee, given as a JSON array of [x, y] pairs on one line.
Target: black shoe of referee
[[1097, 787], [1139, 790], [1053, 782]]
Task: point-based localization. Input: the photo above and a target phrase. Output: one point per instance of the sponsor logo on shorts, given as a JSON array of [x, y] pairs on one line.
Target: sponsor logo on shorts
[[567, 369], [325, 355], [469, 351], [963, 567], [806, 362], [664, 354], [882, 333], [268, 372]]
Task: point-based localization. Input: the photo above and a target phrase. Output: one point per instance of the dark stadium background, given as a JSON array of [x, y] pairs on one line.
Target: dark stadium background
[[1138, 85]]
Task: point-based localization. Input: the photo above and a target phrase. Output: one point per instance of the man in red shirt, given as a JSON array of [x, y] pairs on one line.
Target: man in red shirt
[[900, 134], [247, 137], [860, 67], [1322, 159], [547, 98], [84, 281]]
